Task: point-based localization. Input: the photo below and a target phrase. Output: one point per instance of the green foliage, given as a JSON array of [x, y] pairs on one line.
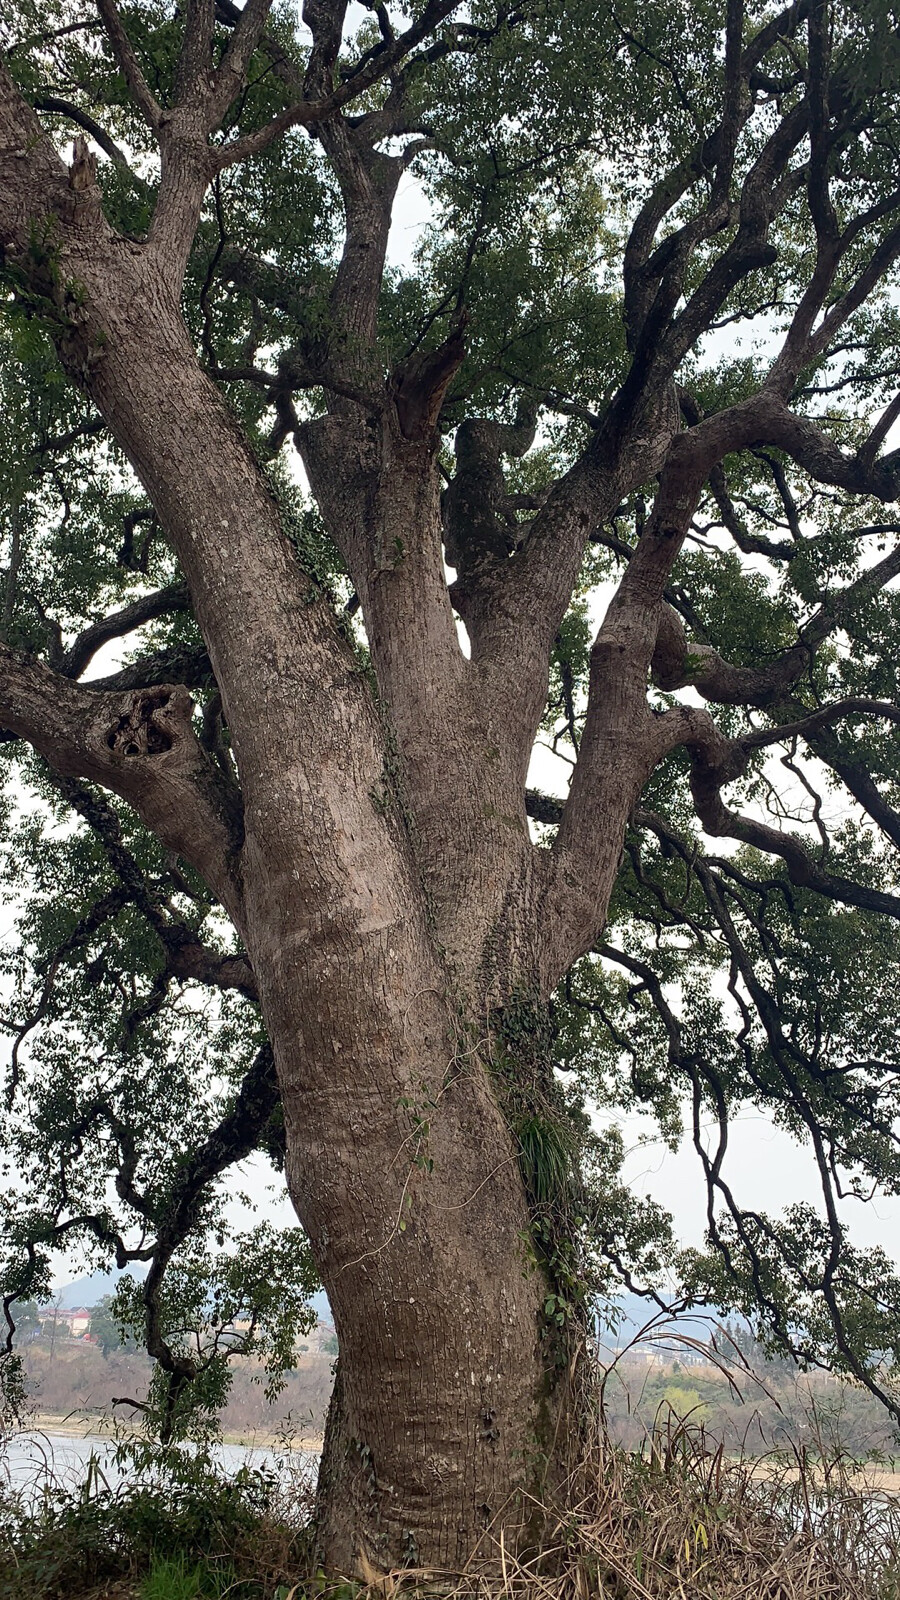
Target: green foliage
[[135, 1096], [546, 1155], [176, 1528], [214, 1306], [105, 1329], [685, 1403], [173, 1580], [721, 984]]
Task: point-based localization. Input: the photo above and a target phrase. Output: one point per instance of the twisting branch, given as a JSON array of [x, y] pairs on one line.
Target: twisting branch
[[185, 954], [677, 662], [114, 626], [107, 907], [89, 125], [170, 1212], [818, 1097], [236, 1136], [717, 761]]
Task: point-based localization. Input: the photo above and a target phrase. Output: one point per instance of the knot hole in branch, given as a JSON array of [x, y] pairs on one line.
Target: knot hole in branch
[[144, 730]]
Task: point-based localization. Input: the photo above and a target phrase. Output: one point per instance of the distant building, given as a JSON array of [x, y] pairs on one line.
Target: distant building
[[73, 1323]]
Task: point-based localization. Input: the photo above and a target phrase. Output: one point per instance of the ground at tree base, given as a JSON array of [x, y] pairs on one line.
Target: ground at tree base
[[678, 1519]]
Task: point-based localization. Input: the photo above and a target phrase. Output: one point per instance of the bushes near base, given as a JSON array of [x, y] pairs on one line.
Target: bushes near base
[[676, 1519]]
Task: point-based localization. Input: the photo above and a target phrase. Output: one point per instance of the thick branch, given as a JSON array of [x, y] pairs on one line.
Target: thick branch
[[143, 747], [185, 664], [123, 50], [233, 67], [89, 124], [677, 663], [145, 609]]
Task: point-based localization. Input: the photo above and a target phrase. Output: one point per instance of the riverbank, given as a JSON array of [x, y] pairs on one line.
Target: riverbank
[[105, 1428], [37, 1462], [749, 1410], [71, 1380], [686, 1521]]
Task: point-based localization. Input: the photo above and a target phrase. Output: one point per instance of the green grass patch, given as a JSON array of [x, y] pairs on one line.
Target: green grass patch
[[174, 1580]]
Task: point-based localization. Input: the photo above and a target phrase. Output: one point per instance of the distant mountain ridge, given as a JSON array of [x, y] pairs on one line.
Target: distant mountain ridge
[[89, 1290], [631, 1318]]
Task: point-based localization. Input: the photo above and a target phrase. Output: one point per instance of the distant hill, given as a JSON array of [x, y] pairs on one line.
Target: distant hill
[[87, 1291], [749, 1409], [630, 1318]]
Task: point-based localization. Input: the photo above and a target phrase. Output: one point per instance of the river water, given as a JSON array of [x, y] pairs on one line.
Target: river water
[[33, 1462]]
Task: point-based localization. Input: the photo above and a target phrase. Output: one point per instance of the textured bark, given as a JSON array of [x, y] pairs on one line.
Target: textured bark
[[373, 849], [387, 900]]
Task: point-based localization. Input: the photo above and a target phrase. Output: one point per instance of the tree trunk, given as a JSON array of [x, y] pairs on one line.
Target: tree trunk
[[406, 1179], [401, 1167], [439, 1422]]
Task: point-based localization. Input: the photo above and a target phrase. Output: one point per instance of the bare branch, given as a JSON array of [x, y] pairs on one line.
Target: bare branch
[[233, 67], [83, 119], [145, 609], [715, 762]]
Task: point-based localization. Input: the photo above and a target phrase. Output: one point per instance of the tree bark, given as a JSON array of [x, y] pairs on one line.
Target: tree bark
[[441, 1412], [400, 1164], [377, 875]]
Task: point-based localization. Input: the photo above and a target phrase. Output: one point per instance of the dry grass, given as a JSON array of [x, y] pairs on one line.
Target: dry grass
[[682, 1520], [678, 1519]]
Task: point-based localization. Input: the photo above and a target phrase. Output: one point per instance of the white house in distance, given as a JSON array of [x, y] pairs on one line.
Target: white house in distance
[[74, 1323]]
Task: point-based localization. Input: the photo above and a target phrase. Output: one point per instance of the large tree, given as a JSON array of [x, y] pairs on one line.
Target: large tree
[[649, 339]]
